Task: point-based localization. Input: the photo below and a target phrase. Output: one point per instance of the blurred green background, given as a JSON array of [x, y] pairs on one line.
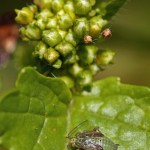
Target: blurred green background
[[130, 40]]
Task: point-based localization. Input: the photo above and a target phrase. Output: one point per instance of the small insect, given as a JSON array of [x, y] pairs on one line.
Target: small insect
[[88, 39], [90, 140], [106, 33]]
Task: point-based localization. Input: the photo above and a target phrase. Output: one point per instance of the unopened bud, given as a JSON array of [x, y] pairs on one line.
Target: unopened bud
[[24, 16], [40, 23], [87, 54], [44, 14], [105, 57], [40, 49], [64, 48], [51, 55], [71, 58], [51, 37], [82, 7], [69, 6], [51, 23], [65, 21], [62, 33], [81, 28], [85, 78], [99, 21], [57, 5], [69, 9], [94, 30], [33, 8], [71, 38], [94, 69], [43, 3], [31, 32], [57, 64], [75, 70]]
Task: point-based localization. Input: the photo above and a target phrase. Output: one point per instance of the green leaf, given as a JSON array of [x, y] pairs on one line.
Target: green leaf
[[38, 114], [33, 116], [109, 7], [122, 112]]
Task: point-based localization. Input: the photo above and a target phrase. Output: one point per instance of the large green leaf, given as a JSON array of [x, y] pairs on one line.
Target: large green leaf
[[33, 117], [122, 112], [37, 114]]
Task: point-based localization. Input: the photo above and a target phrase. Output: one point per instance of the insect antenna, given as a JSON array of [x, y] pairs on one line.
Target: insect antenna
[[53, 75], [73, 130]]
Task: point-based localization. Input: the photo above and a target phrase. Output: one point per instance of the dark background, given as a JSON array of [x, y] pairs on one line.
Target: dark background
[[130, 41]]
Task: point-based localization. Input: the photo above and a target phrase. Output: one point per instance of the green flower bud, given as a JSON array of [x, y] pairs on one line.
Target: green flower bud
[[71, 59], [94, 69], [44, 14], [64, 21], [94, 30], [33, 8], [25, 38], [75, 70], [60, 12], [57, 64], [24, 16], [51, 55], [51, 37], [81, 28], [85, 78], [57, 5], [40, 23], [72, 15], [51, 23], [68, 81], [92, 13], [101, 12], [43, 3], [87, 54], [98, 20], [95, 25], [60, 25], [62, 33], [82, 7], [105, 57], [71, 38], [69, 7], [22, 31], [64, 48], [40, 50], [31, 32]]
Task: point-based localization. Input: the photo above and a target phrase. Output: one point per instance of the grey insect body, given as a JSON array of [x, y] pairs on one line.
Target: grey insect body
[[91, 140]]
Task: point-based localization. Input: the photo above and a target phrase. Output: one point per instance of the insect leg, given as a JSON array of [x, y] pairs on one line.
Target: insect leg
[[98, 147], [72, 131]]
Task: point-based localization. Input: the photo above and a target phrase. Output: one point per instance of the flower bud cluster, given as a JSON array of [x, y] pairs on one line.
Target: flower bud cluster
[[65, 30]]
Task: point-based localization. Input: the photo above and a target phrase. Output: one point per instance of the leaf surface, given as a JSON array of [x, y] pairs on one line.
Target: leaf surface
[[122, 112], [39, 113], [33, 117]]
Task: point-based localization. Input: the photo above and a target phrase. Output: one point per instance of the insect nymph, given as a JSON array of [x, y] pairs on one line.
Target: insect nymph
[[106, 33], [88, 39], [91, 140]]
